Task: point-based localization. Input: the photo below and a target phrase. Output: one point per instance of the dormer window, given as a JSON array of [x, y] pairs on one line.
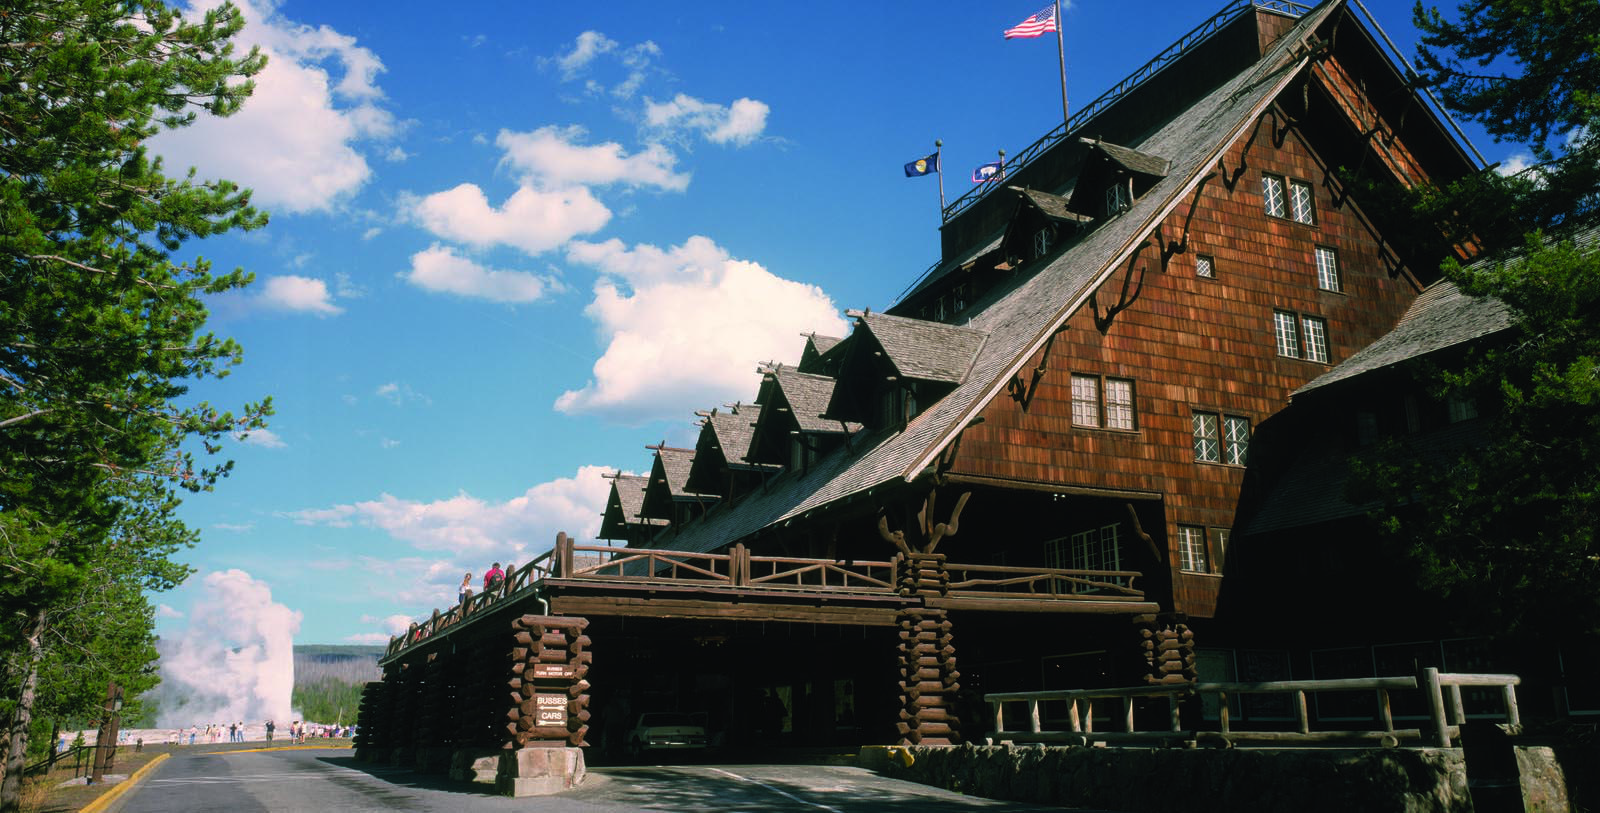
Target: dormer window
[[1042, 240], [1119, 197]]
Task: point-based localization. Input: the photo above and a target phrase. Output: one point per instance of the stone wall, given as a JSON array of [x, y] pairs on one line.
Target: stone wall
[[1309, 780]]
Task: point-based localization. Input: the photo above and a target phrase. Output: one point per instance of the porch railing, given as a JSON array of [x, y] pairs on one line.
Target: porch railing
[[1441, 691]]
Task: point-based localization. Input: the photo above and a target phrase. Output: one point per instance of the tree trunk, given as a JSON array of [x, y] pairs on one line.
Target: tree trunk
[[16, 752]]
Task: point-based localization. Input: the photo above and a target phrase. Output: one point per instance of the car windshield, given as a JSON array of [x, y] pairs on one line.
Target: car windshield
[[656, 720]]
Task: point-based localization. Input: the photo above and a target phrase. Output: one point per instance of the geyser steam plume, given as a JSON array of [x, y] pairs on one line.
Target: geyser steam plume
[[236, 659]]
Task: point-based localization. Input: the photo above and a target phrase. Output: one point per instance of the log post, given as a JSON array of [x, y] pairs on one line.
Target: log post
[[929, 681]]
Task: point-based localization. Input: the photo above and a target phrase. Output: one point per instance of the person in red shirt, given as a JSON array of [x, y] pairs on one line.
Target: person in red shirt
[[493, 577]]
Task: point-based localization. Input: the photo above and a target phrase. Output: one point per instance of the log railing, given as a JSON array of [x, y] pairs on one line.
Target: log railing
[[738, 569], [1442, 691]]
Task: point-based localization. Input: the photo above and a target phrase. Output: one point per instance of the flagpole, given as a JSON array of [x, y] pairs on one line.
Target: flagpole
[[1061, 51], [938, 168]]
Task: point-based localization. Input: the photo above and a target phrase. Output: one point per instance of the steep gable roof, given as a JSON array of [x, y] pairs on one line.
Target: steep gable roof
[[1019, 318], [623, 506], [807, 396], [923, 350], [669, 476]]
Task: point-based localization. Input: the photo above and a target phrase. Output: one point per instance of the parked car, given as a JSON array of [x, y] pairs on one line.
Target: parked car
[[666, 731]]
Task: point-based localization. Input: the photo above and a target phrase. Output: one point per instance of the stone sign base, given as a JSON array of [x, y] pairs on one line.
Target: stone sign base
[[480, 765], [539, 771]]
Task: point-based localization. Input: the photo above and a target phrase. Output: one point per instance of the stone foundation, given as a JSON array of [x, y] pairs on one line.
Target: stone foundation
[[539, 771], [480, 765], [1306, 780]]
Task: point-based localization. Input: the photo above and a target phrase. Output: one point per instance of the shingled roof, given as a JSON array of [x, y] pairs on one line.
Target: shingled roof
[[923, 350], [1130, 159], [1054, 207], [807, 396], [1020, 317], [733, 431], [623, 506]]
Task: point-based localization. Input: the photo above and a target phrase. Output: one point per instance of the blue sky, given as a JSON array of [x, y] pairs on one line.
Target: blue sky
[[511, 244]]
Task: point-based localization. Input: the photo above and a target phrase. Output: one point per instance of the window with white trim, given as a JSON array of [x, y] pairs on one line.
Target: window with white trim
[[1102, 402], [1192, 548], [1205, 266], [1221, 438], [1327, 269], [1300, 337], [1041, 241], [1288, 199], [1119, 197]]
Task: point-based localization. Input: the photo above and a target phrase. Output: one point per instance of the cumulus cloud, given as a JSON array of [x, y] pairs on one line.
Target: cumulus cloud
[[533, 220], [167, 611], [295, 142], [299, 294], [467, 525], [235, 661], [685, 327], [369, 639], [738, 124], [439, 269], [552, 157]]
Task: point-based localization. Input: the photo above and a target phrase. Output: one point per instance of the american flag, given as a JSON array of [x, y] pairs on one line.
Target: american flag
[[1042, 23]]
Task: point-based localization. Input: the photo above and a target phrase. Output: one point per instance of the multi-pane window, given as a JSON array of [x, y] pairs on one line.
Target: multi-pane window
[[1327, 269], [1462, 408], [1098, 402], [1300, 210], [1273, 193], [1119, 198], [1094, 549], [1221, 438], [1299, 336], [1315, 332], [1192, 548], [1286, 333], [1205, 266], [1288, 199], [1041, 242], [1219, 548]]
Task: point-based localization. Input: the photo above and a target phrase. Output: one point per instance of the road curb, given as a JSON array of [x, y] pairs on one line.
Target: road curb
[[116, 791]]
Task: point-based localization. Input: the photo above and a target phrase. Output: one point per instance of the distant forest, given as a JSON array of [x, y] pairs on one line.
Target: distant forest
[[328, 680]]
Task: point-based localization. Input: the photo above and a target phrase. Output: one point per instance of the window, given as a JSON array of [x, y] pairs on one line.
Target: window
[[1288, 199], [1219, 548], [1098, 402], [1327, 269], [1221, 438], [1300, 210], [1041, 241], [1094, 549], [1286, 333], [1119, 198], [1205, 266], [1272, 193], [1300, 336], [1462, 408], [1192, 548]]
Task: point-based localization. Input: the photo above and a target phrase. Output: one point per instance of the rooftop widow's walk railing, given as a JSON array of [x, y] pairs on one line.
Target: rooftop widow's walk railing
[[1441, 692], [1084, 114]]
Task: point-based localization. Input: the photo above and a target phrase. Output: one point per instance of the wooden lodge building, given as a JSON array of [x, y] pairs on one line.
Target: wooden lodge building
[[1057, 439]]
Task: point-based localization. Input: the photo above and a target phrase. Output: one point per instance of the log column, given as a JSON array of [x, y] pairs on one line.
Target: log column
[[549, 691], [1166, 648], [928, 679]]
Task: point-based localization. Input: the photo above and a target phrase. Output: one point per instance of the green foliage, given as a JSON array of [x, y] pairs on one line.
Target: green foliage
[[1505, 533], [1528, 71], [101, 334]]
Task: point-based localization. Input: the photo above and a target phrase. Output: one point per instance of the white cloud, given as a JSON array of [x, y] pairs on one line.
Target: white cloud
[[533, 220], [295, 140], [1514, 163], [265, 438], [686, 326], [369, 639], [392, 624], [467, 525], [739, 124], [550, 156], [439, 269], [234, 527], [400, 393], [300, 294], [168, 611], [590, 46], [396, 154], [388, 443]]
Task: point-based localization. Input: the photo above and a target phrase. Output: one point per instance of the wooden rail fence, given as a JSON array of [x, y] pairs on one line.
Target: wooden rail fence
[[1441, 691]]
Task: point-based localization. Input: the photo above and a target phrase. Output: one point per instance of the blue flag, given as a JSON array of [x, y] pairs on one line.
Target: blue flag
[[986, 172], [923, 166]]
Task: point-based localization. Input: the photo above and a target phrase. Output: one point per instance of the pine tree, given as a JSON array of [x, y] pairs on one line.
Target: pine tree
[[102, 329]]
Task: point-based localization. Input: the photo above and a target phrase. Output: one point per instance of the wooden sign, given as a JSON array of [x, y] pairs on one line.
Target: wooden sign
[[565, 671], [551, 709]]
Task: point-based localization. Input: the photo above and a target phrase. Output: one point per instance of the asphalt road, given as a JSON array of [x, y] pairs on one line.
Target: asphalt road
[[330, 779]]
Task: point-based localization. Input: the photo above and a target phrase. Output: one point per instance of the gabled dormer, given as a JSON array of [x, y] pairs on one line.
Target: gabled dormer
[[896, 367], [722, 464], [1113, 177], [791, 430], [622, 520], [821, 354], [1040, 226], [667, 496]]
